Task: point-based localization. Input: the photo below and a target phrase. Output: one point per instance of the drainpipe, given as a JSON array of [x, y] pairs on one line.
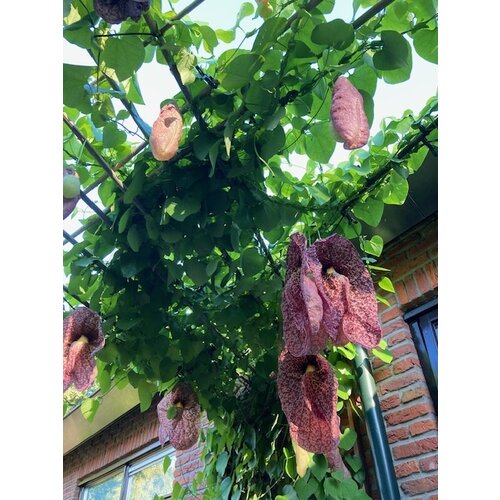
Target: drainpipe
[[382, 458]]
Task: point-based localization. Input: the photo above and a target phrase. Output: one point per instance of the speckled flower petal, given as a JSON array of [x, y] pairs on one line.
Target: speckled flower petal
[[348, 115], [301, 305], [83, 322], [353, 291], [184, 429], [79, 367], [339, 253], [309, 401], [298, 336], [82, 338], [310, 276], [331, 311], [296, 248], [117, 11]]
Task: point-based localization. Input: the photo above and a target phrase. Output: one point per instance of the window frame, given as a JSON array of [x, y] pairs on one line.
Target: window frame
[[129, 465], [420, 320]]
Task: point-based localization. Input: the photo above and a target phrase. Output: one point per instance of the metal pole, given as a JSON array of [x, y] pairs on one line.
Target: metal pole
[[382, 458]]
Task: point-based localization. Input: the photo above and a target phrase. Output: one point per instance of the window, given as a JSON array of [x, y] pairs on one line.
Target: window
[[137, 479], [423, 323]]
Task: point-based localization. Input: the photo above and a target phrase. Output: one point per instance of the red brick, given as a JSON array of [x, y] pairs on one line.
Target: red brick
[[403, 350], [429, 463], [377, 363], [421, 485], [382, 373], [415, 448], [403, 470], [414, 394], [397, 435], [398, 259], [421, 427], [432, 273], [396, 338], [400, 289], [422, 245], [433, 497], [393, 312], [397, 383], [390, 402], [417, 261], [405, 365], [408, 266], [412, 290], [393, 326], [424, 284], [407, 414]]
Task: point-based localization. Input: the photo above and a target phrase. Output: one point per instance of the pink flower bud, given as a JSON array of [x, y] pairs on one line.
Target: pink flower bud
[[348, 115], [166, 133]]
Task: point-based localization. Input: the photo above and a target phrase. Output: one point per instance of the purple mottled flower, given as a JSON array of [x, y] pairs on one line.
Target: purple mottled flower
[[328, 293], [179, 415], [307, 389], [301, 305], [349, 288], [82, 338], [117, 11]]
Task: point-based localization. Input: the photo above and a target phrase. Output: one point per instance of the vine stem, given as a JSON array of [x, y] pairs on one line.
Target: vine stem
[[268, 255], [373, 181], [173, 68], [371, 12], [102, 162], [76, 297]]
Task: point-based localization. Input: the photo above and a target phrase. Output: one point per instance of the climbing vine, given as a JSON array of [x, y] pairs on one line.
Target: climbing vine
[[184, 259]]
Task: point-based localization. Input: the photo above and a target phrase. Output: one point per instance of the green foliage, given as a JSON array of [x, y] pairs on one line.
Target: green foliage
[[189, 271]]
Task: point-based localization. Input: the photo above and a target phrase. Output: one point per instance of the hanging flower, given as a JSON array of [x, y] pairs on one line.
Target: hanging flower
[[117, 11], [349, 289], [166, 133], [301, 306], [348, 115], [82, 338], [307, 389], [328, 292], [179, 416]]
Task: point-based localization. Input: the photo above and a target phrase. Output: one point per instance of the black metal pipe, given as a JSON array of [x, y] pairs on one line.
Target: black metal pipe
[[382, 458]]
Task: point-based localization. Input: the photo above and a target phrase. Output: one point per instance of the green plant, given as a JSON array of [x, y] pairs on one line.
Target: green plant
[[186, 268]]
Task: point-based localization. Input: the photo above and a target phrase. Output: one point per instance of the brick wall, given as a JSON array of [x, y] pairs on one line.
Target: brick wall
[[126, 436], [133, 431], [410, 419]]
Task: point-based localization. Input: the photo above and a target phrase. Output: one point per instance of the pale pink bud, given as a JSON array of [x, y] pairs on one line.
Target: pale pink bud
[[166, 133], [348, 115]]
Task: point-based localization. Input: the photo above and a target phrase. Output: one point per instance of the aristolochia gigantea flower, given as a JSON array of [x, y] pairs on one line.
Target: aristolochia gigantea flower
[[179, 416], [301, 305], [307, 389], [82, 338], [349, 289], [166, 133], [328, 292], [117, 11], [348, 115]]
